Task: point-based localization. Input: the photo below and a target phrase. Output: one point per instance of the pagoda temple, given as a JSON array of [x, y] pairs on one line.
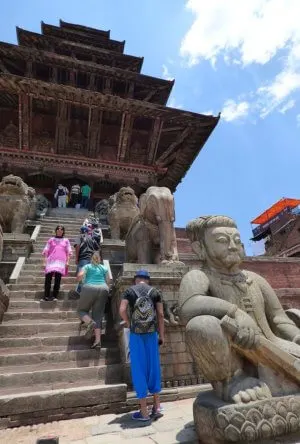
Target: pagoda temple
[[75, 108]]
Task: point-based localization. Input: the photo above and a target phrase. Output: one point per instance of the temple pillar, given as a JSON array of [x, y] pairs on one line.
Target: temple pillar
[[94, 131], [154, 140], [108, 83], [62, 127], [25, 118], [125, 133]]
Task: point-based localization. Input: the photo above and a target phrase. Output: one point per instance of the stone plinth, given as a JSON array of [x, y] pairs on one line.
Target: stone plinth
[[6, 268], [4, 299], [176, 362], [217, 422], [114, 250], [16, 245]]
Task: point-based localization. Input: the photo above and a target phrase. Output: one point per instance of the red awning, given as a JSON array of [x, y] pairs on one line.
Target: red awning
[[275, 209]]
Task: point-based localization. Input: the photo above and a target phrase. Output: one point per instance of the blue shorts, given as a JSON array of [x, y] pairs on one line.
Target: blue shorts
[[145, 363]]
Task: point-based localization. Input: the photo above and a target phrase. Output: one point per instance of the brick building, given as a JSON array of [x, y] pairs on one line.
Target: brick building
[[279, 227]]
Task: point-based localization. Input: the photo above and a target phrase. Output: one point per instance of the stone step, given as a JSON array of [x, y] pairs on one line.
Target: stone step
[[51, 316], [40, 287], [50, 373], [47, 339], [36, 295], [28, 305], [36, 268], [60, 401], [32, 356], [33, 279], [28, 328]]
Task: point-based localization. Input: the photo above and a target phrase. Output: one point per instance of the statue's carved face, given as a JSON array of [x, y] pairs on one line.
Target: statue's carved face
[[13, 185], [224, 246], [126, 194]]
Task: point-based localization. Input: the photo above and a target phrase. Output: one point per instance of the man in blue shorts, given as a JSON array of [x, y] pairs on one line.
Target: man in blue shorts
[[146, 334]]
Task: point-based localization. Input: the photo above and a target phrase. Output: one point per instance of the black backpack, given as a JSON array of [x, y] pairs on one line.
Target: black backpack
[[143, 316], [61, 192]]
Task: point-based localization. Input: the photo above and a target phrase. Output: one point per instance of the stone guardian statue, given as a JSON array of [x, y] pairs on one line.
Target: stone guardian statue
[[241, 339]]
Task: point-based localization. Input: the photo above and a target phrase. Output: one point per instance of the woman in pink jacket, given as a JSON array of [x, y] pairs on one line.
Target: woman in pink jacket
[[57, 253]]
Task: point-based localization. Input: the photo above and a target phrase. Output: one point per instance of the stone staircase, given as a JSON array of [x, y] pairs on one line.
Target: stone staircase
[[47, 371]]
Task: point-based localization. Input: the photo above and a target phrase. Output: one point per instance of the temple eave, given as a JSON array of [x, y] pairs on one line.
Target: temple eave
[[48, 43], [40, 89], [48, 163], [22, 53]]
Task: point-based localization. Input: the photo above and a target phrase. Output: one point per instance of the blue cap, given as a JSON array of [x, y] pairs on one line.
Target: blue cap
[[142, 274], [84, 229]]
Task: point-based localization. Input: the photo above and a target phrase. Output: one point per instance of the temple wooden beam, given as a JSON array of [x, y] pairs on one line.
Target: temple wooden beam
[[94, 131], [62, 126], [25, 119], [29, 68], [180, 138], [154, 140], [3, 68], [125, 130], [171, 129], [150, 95]]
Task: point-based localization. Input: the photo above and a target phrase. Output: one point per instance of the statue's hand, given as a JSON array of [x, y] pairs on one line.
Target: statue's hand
[[247, 331], [246, 337], [297, 339]]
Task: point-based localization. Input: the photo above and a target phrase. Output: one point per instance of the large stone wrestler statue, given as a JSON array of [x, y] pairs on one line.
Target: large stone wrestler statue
[[228, 312]]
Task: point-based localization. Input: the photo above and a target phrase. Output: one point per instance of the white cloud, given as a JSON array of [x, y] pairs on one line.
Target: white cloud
[[172, 103], [288, 105], [233, 110], [208, 113], [298, 119], [166, 74], [248, 32]]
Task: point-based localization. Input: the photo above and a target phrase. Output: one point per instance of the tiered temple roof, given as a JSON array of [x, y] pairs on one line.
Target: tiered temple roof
[[73, 105]]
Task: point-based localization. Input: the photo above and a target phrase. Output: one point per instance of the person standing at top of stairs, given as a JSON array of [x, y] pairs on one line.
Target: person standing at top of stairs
[[57, 253]]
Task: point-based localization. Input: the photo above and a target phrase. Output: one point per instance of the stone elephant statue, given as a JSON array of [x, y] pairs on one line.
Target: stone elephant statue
[[17, 203], [151, 238], [122, 210]]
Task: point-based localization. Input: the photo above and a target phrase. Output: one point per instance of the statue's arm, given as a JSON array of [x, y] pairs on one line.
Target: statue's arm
[[194, 299], [280, 323]]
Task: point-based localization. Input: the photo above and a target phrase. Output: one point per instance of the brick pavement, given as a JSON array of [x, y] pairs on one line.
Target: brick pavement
[[176, 426]]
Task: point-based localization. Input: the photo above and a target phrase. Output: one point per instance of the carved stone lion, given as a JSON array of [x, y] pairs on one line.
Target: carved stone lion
[[122, 212], [42, 203], [17, 203], [101, 210]]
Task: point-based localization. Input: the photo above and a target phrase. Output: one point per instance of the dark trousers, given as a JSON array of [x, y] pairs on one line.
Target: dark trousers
[[48, 279], [85, 202]]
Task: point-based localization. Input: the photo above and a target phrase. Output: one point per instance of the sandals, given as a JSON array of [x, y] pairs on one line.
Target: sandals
[[90, 330], [96, 345]]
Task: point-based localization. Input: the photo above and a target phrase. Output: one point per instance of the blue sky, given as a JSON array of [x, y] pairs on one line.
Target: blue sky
[[230, 56]]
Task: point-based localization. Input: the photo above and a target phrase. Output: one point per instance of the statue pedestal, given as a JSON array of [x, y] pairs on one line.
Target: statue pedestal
[[217, 422], [16, 245]]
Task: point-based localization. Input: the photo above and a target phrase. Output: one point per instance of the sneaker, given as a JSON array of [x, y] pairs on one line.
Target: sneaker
[[44, 300], [139, 417], [157, 413]]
